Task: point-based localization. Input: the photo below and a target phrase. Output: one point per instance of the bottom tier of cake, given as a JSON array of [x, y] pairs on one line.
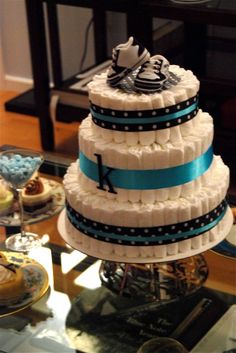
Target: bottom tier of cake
[[144, 254]]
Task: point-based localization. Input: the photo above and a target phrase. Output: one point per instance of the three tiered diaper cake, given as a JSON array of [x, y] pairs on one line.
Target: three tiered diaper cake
[[146, 186]]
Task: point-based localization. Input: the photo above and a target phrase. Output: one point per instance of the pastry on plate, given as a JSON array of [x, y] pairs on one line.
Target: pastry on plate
[[36, 194], [12, 284]]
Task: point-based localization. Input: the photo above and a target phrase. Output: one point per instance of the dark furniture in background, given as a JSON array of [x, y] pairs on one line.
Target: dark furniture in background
[[217, 94]]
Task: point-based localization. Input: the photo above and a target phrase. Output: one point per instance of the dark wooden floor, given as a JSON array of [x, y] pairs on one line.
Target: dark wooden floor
[[23, 130]]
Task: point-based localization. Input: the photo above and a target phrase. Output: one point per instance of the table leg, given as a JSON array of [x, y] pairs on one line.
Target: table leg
[[139, 24], [195, 48], [37, 38]]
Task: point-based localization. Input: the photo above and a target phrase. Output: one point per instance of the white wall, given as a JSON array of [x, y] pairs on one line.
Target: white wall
[[15, 38], [15, 62], [15, 47], [15, 53], [72, 26]]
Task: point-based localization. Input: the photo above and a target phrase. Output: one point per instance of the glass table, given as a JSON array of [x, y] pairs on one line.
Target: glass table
[[71, 312]]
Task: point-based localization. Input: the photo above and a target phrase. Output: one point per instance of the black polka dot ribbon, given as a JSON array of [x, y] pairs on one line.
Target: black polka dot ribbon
[[141, 236], [145, 120]]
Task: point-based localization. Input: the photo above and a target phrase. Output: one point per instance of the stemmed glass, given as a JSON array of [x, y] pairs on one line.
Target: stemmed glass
[[162, 345], [17, 167]]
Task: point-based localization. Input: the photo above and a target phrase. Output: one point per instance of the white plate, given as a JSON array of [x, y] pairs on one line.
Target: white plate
[[52, 208], [36, 282]]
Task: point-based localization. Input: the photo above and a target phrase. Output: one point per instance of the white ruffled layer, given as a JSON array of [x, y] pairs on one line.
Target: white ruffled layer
[[105, 96], [173, 153], [201, 123], [142, 254], [97, 205], [149, 196]]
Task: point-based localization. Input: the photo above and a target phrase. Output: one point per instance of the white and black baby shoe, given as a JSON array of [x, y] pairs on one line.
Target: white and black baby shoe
[[153, 74], [126, 58]]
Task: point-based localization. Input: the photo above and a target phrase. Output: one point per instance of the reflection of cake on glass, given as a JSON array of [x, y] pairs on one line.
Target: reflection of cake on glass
[[6, 199], [36, 194], [147, 186], [12, 285]]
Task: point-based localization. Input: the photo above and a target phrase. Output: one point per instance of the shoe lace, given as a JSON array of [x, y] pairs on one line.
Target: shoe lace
[[151, 66]]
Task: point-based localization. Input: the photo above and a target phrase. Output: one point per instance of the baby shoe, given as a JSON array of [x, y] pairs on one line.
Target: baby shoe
[[152, 74], [126, 58]]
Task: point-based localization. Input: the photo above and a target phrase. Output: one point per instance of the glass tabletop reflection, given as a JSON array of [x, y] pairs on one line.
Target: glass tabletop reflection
[[76, 313]]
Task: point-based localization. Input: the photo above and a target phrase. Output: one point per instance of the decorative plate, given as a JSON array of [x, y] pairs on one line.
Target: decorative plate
[[52, 208], [36, 282]]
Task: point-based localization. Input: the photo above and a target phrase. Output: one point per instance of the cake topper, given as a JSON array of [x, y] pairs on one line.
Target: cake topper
[[152, 74], [133, 69], [126, 58]]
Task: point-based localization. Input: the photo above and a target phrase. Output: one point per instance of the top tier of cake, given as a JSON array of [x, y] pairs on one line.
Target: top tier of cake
[[132, 117], [168, 131]]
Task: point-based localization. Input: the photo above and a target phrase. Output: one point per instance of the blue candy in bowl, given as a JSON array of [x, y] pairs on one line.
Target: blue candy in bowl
[[17, 168]]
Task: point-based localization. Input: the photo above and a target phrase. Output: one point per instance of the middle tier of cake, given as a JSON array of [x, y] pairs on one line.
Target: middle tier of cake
[[148, 173]]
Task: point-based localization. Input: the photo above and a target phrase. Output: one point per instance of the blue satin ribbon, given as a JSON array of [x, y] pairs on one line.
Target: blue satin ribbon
[[145, 120], [149, 179], [115, 237]]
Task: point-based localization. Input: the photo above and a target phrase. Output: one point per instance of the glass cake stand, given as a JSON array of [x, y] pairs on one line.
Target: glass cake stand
[[155, 282]]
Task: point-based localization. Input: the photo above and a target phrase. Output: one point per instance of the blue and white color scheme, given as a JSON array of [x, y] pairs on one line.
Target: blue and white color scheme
[[146, 186], [126, 57], [145, 120], [149, 179]]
